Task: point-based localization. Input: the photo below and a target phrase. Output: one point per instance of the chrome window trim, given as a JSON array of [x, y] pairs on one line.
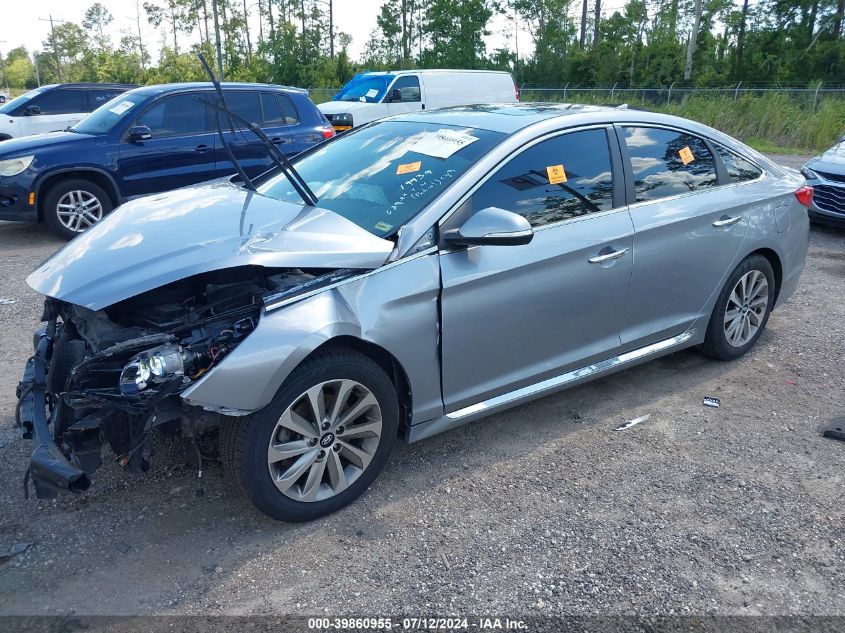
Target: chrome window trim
[[274, 305]]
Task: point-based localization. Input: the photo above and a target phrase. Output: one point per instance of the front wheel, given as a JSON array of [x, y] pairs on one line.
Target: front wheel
[[73, 206], [742, 310], [320, 443]]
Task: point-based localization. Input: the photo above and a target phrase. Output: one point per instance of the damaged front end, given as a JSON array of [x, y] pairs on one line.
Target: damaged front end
[[115, 375]]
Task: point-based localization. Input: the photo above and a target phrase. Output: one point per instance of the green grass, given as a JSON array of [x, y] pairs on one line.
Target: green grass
[[775, 122]]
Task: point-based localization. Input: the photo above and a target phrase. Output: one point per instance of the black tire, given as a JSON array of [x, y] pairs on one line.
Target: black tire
[[60, 189], [244, 441], [716, 344]]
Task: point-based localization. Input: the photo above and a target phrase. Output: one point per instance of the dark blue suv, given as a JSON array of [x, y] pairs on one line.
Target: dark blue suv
[[145, 141]]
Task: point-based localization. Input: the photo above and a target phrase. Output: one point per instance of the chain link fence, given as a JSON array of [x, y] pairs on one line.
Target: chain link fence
[[806, 97]]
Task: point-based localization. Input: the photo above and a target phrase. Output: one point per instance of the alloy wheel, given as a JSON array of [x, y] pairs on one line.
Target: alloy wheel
[[79, 210], [746, 308], [324, 440]]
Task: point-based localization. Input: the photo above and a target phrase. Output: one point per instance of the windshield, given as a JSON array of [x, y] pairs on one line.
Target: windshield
[[7, 107], [382, 175], [364, 87], [109, 114]]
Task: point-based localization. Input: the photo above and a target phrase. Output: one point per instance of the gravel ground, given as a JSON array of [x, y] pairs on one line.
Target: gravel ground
[[544, 509]]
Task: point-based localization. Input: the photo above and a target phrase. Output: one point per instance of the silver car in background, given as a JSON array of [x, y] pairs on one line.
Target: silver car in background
[[458, 262], [826, 174]]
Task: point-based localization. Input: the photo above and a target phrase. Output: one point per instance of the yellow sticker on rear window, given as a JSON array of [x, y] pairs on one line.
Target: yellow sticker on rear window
[[408, 168], [556, 174], [686, 155]]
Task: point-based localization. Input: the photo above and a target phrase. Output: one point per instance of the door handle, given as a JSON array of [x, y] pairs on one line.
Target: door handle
[[278, 139], [727, 220], [202, 148], [600, 259]]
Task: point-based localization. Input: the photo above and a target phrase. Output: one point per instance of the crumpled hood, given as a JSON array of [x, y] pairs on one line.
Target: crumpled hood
[[832, 161], [153, 241]]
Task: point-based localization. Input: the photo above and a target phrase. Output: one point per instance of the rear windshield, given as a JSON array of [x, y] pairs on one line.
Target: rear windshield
[[382, 175], [104, 118], [365, 87], [9, 106]]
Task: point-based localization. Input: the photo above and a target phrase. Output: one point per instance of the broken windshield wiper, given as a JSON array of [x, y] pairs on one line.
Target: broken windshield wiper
[[298, 182]]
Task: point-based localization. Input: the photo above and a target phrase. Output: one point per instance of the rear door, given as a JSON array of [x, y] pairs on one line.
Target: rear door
[[515, 315], [250, 151], [409, 97], [688, 230], [180, 152], [59, 108]]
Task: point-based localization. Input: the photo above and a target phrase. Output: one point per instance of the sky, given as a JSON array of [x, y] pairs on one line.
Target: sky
[[356, 17]]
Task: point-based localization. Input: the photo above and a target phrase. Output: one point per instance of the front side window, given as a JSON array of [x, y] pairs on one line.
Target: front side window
[[408, 87], [176, 116], [667, 162], [561, 178], [61, 101], [382, 175], [739, 169]]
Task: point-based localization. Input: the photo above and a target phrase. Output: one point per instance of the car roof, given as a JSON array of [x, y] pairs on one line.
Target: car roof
[[83, 84], [207, 85], [433, 71]]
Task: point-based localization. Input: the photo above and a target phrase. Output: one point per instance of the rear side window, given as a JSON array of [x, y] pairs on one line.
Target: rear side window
[[244, 104], [564, 177], [175, 116], [278, 109], [668, 163], [61, 101], [739, 169], [99, 96], [289, 110], [408, 87]]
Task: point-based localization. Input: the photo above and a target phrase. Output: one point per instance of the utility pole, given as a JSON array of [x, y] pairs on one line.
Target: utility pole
[[138, 26], [53, 42], [516, 41], [3, 66], [35, 63], [596, 25], [217, 41], [693, 40]]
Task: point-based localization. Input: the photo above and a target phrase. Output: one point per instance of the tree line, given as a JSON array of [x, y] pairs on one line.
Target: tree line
[[581, 42]]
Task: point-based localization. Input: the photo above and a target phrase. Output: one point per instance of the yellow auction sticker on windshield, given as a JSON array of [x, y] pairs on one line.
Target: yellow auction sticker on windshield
[[556, 174], [686, 155], [383, 226], [408, 168]]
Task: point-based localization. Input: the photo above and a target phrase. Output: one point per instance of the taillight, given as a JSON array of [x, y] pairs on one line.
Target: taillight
[[328, 132], [805, 195], [516, 91]]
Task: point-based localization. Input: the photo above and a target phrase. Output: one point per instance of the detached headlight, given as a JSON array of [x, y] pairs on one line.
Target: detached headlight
[[808, 173], [154, 365], [14, 166]]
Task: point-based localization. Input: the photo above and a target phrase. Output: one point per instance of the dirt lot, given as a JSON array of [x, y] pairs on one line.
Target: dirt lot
[[543, 509]]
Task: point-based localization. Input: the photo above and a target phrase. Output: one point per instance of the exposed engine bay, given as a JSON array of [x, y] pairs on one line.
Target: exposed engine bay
[[114, 375]]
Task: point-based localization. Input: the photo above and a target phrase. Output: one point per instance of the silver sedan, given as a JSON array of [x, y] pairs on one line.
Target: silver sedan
[[458, 262]]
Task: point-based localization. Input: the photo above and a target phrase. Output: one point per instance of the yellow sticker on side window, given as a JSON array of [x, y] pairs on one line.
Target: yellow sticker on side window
[[686, 155], [408, 168], [556, 174]]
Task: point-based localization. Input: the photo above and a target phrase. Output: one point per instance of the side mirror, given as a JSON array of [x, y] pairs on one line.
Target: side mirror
[[492, 226], [32, 110], [139, 133], [395, 95]]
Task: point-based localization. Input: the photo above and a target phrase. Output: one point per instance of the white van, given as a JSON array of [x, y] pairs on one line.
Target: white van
[[373, 95], [54, 107]]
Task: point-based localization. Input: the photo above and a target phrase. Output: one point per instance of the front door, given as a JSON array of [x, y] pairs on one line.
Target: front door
[[59, 108], [688, 231], [181, 151], [515, 315]]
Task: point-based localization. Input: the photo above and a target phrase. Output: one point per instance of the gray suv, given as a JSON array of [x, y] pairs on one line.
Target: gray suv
[[447, 265]]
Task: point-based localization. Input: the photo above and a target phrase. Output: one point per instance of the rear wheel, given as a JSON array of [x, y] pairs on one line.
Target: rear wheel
[[742, 310], [73, 206], [320, 443]]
